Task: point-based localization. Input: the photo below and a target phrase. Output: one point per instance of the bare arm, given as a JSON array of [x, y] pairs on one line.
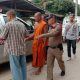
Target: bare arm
[[31, 37], [65, 32], [4, 34], [53, 33], [77, 32]]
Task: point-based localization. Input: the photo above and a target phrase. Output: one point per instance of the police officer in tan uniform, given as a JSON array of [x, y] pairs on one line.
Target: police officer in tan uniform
[[55, 48]]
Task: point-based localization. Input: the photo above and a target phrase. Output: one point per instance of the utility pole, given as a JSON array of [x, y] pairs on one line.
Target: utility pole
[[76, 7]]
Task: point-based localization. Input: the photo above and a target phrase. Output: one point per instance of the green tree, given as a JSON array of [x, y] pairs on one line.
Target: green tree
[[78, 10], [61, 7], [42, 3], [57, 6]]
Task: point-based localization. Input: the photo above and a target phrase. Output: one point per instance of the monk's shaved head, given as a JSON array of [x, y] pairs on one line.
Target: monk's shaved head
[[38, 16]]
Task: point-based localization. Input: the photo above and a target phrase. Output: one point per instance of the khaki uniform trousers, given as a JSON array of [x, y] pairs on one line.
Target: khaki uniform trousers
[[51, 56]]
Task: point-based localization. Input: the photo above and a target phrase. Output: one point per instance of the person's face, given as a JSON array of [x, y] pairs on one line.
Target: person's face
[[72, 18], [37, 18], [51, 21], [8, 17]]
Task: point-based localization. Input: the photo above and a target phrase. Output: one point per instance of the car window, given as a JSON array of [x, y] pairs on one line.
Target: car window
[[30, 28], [1, 25], [5, 19]]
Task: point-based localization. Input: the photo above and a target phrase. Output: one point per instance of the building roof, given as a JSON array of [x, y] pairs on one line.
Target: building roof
[[22, 6]]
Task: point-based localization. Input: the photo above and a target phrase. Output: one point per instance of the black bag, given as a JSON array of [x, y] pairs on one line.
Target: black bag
[[60, 46]]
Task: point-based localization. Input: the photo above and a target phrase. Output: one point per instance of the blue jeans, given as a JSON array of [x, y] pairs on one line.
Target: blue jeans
[[18, 67]]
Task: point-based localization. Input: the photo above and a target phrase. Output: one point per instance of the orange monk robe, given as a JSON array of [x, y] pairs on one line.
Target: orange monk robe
[[38, 47]]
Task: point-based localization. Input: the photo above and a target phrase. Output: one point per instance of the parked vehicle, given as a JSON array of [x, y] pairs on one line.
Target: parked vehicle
[[3, 21]]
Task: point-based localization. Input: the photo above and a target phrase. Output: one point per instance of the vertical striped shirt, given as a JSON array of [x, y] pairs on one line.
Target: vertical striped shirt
[[14, 34]]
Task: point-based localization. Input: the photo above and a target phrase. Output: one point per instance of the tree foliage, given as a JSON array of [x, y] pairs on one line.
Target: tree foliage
[[61, 6], [58, 6], [78, 10]]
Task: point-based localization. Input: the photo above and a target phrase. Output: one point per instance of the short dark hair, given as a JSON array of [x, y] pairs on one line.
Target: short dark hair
[[51, 16], [11, 12], [72, 15]]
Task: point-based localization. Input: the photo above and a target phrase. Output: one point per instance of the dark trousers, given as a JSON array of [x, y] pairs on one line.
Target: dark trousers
[[46, 50], [71, 43]]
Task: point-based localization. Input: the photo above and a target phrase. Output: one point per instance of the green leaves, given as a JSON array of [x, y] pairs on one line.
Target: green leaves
[[62, 7]]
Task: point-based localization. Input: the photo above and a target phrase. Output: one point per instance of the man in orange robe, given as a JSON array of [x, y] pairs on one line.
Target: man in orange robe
[[38, 47]]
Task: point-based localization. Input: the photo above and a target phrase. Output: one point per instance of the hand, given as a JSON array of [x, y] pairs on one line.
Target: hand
[[64, 39], [1, 42], [37, 37], [26, 39], [77, 40]]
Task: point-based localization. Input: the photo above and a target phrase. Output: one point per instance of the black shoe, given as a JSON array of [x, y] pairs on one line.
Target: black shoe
[[62, 73]]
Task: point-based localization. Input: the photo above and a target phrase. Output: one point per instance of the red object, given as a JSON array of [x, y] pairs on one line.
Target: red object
[[2, 39]]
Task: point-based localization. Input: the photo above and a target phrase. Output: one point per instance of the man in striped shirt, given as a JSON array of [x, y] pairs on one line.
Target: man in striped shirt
[[14, 34]]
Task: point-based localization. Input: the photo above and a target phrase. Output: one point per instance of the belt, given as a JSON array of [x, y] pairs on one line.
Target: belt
[[60, 46], [53, 47]]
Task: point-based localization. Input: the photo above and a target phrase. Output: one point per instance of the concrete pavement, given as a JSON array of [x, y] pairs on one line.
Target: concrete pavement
[[72, 69]]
